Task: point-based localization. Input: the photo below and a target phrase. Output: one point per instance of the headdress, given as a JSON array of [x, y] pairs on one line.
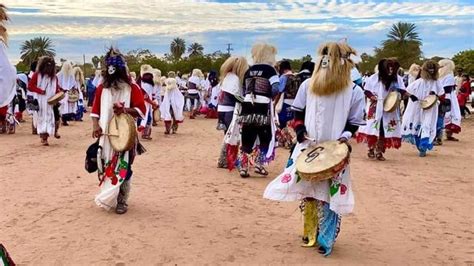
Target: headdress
[[263, 53], [332, 72], [429, 70], [446, 66]]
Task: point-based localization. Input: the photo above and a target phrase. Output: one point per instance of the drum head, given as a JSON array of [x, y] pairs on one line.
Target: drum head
[[322, 157], [122, 132], [428, 102], [391, 102], [56, 98]]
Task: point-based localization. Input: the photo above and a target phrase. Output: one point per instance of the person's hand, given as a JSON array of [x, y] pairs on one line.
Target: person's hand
[[373, 98], [345, 141], [43, 92], [119, 108], [413, 98], [432, 93], [96, 130]]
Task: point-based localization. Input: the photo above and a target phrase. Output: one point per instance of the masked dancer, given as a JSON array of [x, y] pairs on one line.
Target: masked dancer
[[328, 107], [261, 85], [383, 129], [67, 82], [171, 107], [116, 95], [419, 125], [450, 112], [7, 74], [228, 108], [45, 84]]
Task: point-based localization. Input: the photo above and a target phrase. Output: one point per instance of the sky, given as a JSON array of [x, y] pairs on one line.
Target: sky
[[297, 28]]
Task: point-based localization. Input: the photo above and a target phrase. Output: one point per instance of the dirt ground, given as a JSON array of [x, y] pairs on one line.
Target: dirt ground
[[183, 210]]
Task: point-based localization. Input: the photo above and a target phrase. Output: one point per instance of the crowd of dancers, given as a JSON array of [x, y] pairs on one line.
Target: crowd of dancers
[[259, 107]]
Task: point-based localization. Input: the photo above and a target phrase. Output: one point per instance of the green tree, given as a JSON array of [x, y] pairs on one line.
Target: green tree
[[33, 49], [177, 48], [403, 42], [195, 49], [465, 60]]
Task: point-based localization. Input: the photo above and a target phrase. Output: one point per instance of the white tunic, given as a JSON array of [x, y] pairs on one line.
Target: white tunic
[[67, 83], [325, 120], [7, 78], [416, 121], [172, 100], [45, 118], [452, 117]]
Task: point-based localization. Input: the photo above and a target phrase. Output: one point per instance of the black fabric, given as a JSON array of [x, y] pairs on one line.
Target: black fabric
[[351, 128], [257, 80], [250, 134], [225, 118], [257, 114], [228, 99], [413, 98], [91, 157], [299, 115], [301, 132], [56, 113], [448, 89]]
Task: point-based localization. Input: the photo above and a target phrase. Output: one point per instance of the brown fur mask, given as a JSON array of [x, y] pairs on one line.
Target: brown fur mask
[[332, 72], [46, 66], [385, 75], [429, 70]]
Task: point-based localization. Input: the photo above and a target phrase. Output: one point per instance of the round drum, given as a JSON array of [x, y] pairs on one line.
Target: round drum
[[322, 161], [392, 101], [73, 96], [55, 99], [122, 132], [428, 102]]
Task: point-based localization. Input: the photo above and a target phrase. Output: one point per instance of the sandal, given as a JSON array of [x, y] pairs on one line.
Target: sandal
[[380, 157], [371, 154], [260, 170], [244, 173], [121, 208]]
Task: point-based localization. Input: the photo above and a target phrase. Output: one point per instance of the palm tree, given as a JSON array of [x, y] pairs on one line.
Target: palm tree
[[404, 43], [33, 49], [195, 49], [402, 33], [177, 47]]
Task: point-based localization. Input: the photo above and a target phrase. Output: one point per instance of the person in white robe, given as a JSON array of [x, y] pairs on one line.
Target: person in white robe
[[147, 84], [45, 84], [419, 125], [171, 107], [7, 73], [67, 82], [116, 95], [194, 93], [80, 85], [449, 113], [156, 96], [328, 107], [383, 129], [232, 74]]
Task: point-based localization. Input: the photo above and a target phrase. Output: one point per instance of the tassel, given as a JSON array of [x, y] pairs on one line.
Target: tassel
[[232, 152], [140, 149], [310, 226]]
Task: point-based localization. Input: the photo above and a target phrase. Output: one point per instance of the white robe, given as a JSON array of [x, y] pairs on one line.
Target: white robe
[[7, 78], [173, 99], [416, 121], [325, 120], [391, 121], [454, 116], [149, 108], [67, 83], [45, 116]]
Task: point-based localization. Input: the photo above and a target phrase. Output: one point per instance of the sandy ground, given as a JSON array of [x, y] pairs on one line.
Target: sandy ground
[[183, 210]]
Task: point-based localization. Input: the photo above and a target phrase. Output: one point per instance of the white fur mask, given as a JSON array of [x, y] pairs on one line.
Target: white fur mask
[[111, 70]]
